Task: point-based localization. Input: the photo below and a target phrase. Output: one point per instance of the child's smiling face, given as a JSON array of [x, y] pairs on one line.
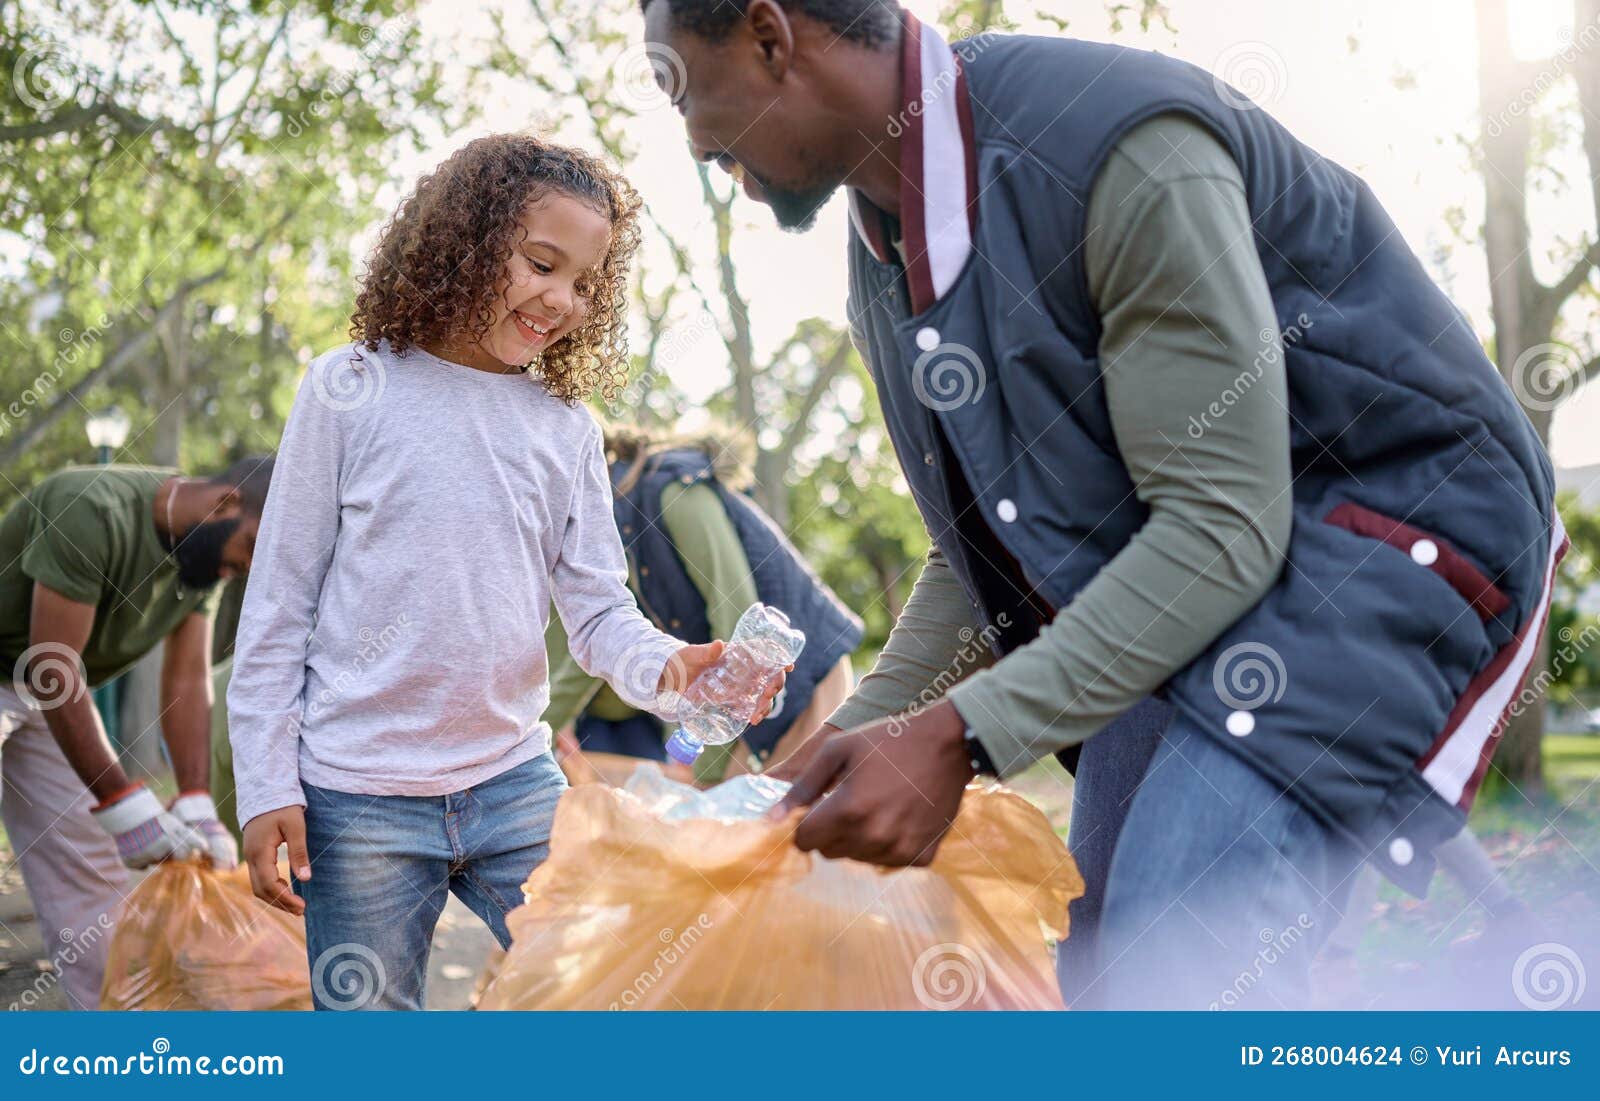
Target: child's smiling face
[[558, 242]]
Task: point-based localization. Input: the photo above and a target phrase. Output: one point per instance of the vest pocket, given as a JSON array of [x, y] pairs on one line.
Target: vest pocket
[[1428, 551]]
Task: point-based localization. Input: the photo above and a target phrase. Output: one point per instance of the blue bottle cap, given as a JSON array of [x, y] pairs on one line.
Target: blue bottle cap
[[684, 747]]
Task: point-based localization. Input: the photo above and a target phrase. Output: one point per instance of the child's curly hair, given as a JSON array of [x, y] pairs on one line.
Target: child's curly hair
[[436, 270]]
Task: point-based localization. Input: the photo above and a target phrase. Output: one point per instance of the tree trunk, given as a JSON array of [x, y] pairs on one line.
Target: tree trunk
[[771, 492], [141, 700], [1514, 292], [888, 580], [1586, 13], [166, 433], [1520, 755], [172, 395]]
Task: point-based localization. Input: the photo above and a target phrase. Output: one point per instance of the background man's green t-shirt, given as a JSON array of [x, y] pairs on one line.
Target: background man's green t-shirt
[[88, 532]]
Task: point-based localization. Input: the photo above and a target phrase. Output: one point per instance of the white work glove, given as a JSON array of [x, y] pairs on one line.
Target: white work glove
[[145, 833], [196, 810]]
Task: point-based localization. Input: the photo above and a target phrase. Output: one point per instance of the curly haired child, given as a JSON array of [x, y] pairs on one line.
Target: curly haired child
[[439, 483]]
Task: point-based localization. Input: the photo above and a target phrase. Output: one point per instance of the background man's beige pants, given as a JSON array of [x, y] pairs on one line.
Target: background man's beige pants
[[69, 864]]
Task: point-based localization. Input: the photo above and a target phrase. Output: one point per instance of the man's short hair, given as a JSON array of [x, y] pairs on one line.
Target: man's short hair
[[869, 23], [250, 476]]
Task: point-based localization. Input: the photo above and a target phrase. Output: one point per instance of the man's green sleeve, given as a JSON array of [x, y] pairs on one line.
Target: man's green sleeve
[[69, 548], [1192, 363], [935, 643]]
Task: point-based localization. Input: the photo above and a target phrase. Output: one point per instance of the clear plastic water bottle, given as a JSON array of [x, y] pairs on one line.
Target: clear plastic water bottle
[[719, 704]]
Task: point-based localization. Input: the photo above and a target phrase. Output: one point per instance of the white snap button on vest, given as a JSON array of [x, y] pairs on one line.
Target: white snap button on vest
[[1006, 510], [1241, 723], [1400, 851], [1424, 552], [927, 338]]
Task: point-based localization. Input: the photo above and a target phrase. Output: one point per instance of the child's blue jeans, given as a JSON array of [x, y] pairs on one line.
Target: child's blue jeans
[[381, 864]]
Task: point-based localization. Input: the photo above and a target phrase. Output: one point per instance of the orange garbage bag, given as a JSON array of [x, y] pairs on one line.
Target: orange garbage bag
[[659, 897], [589, 767], [191, 937]]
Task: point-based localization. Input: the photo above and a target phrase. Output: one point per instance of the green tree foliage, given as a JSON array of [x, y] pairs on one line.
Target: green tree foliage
[[180, 186]]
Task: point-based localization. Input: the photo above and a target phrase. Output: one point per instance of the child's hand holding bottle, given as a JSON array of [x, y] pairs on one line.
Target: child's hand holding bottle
[[688, 663]]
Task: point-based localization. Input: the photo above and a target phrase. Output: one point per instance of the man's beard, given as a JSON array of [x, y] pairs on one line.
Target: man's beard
[[796, 209], [199, 553]]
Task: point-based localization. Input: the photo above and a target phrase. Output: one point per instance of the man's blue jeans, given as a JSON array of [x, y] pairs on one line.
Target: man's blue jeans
[[381, 865], [1208, 887]]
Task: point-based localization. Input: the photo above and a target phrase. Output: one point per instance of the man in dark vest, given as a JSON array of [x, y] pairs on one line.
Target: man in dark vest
[[1186, 418], [699, 553], [99, 565]]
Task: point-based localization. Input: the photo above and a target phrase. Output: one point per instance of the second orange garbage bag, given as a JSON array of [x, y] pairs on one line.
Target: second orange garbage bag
[[660, 897], [191, 937]]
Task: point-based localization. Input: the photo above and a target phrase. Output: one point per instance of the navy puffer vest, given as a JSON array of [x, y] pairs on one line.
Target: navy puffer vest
[[1423, 511], [783, 579]]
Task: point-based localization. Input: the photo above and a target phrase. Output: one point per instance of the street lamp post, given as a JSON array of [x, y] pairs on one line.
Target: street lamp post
[[108, 431]]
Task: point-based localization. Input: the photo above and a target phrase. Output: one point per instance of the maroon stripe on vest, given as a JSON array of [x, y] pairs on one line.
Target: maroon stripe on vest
[[1476, 589], [913, 219]]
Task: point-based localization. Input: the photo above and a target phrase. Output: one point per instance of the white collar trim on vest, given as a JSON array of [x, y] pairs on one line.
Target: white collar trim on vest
[[937, 168]]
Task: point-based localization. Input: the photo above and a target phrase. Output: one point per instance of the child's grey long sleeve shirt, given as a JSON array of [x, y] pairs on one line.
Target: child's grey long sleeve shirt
[[422, 516]]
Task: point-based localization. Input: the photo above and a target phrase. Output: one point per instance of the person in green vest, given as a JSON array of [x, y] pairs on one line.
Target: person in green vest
[[699, 553], [100, 565]]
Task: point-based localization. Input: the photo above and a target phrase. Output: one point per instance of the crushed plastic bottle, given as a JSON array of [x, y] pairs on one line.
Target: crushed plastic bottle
[[741, 799], [719, 704]]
